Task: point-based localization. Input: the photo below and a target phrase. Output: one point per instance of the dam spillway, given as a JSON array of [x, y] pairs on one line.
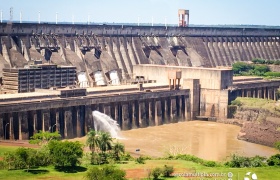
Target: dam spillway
[[105, 48]]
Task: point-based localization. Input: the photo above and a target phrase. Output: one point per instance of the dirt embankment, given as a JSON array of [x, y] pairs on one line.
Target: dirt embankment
[[258, 126]]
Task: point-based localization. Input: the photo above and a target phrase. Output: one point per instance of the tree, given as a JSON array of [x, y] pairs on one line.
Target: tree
[[105, 141], [167, 171], [42, 138], [156, 172], [105, 173], [118, 149], [92, 140], [260, 70], [22, 158], [65, 153], [92, 143], [105, 144], [241, 67]]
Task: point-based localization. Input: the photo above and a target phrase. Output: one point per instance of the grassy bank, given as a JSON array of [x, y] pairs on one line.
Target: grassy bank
[[141, 171], [270, 105]]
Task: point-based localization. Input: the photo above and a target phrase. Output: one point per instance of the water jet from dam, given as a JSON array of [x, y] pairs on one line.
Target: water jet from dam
[[105, 123]]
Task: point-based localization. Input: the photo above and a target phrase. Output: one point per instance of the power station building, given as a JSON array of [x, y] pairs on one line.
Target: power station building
[[42, 76]]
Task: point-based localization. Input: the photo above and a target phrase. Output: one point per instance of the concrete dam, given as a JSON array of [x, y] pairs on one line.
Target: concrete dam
[[100, 68], [103, 52]]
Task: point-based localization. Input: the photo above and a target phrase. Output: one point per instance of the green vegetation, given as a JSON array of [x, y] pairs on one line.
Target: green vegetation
[[245, 69], [57, 159], [65, 153], [263, 61], [274, 160], [194, 159], [167, 171], [258, 68], [277, 145], [105, 173], [241, 162], [264, 104], [42, 138]]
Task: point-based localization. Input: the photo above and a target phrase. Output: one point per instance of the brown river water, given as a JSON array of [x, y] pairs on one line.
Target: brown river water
[[207, 140]]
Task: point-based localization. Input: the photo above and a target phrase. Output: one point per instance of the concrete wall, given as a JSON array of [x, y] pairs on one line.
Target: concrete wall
[[208, 87], [70, 29], [210, 78]]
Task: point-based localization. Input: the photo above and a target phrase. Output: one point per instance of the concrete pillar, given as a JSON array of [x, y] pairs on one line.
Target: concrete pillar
[[248, 93], [158, 113], [2, 126], [88, 119], [75, 118], [19, 125], [253, 92], [188, 113], [164, 110], [259, 93], [11, 126], [179, 107], [24, 125], [136, 115], [112, 111], [82, 119], [125, 117], [173, 110], [68, 126], [264, 93], [183, 107], [274, 93], [268, 93], [243, 93], [117, 113], [167, 110], [101, 108], [194, 86], [107, 109], [151, 112], [30, 118], [57, 126], [61, 129], [143, 114], [46, 120]]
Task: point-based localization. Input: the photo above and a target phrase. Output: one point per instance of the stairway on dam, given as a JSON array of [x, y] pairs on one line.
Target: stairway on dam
[[118, 49]]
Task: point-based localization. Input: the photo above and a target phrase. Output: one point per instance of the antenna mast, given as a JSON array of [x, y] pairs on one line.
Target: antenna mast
[[11, 14]]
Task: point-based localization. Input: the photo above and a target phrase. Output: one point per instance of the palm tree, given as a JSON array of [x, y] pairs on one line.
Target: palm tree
[[118, 149], [105, 141], [92, 143]]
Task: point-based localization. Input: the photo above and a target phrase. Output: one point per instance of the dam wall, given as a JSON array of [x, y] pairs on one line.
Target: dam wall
[[105, 48], [22, 115]]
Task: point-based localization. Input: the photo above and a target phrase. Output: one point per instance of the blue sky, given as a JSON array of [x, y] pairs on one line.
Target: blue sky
[[208, 12]]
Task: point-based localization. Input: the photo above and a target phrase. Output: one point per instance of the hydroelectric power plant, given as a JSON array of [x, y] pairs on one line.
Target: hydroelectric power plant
[[53, 76]]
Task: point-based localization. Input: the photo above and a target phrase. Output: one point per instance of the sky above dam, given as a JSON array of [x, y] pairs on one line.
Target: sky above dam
[[202, 12]]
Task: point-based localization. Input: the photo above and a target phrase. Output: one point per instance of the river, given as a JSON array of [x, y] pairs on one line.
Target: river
[[207, 140]]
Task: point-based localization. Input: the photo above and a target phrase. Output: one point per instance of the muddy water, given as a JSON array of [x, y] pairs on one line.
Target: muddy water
[[207, 140]]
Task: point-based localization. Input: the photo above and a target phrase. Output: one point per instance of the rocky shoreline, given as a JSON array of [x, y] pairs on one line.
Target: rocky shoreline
[[256, 126]]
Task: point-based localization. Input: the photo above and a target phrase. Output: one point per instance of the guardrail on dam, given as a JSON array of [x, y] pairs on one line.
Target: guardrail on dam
[[105, 48]]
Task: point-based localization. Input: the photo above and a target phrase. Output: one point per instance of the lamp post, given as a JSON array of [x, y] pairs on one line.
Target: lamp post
[[52, 127], [5, 130]]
